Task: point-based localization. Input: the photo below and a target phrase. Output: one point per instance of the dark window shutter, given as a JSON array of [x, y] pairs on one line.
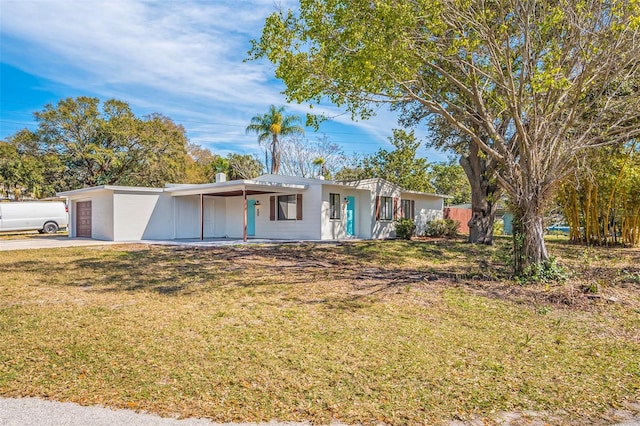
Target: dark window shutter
[[377, 207], [413, 209], [395, 207], [299, 206], [272, 208]]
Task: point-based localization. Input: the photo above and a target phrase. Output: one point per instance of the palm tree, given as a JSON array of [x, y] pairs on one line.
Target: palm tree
[[272, 125], [321, 166]]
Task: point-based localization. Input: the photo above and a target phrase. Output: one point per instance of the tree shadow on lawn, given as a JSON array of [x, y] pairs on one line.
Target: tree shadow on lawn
[[162, 270], [180, 270], [365, 270]]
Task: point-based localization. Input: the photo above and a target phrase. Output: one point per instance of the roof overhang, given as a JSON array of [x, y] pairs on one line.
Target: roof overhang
[[108, 188], [426, 194], [234, 188]]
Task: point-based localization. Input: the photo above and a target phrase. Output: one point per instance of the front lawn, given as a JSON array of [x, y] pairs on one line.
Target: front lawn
[[364, 332]]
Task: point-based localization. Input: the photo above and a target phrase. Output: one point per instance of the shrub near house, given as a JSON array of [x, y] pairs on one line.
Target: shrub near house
[[405, 228], [442, 228]]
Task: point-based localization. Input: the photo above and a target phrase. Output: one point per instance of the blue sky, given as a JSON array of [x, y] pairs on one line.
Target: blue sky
[[183, 59]]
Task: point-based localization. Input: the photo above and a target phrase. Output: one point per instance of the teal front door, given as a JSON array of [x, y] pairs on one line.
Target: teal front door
[[351, 216], [251, 218]]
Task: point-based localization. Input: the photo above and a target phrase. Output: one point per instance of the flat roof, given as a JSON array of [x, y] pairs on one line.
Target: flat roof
[[234, 188], [110, 188], [430, 194]]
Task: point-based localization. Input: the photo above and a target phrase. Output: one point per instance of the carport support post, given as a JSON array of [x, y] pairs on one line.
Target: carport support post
[[201, 217], [244, 195]]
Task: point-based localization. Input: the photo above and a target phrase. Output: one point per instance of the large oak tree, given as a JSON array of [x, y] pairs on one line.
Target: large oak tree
[[532, 83], [106, 144]]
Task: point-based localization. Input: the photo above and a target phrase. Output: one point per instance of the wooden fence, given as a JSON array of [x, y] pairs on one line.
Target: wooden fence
[[461, 215]]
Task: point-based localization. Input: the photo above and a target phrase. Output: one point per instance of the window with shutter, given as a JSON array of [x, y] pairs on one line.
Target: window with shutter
[[287, 207], [272, 208], [334, 206], [408, 209], [385, 208]]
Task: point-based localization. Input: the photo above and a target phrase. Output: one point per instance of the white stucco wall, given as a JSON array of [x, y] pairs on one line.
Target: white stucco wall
[[306, 229], [142, 216], [179, 217], [187, 216], [219, 218], [380, 188], [427, 208], [235, 217], [210, 217], [335, 229]]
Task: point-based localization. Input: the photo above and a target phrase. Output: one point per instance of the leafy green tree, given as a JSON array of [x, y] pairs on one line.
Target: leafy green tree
[[400, 166], [24, 172], [202, 165], [199, 164], [351, 173], [449, 178], [511, 75], [8, 168], [270, 127], [220, 165], [90, 146]]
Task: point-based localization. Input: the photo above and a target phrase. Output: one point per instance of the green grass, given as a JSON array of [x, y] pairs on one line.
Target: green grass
[[395, 332]]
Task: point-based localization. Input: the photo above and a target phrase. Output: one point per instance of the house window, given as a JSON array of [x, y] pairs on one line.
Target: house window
[[334, 206], [408, 209], [386, 208], [286, 207]]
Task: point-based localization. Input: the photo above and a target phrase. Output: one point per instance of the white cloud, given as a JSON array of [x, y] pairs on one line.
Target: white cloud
[[181, 58]]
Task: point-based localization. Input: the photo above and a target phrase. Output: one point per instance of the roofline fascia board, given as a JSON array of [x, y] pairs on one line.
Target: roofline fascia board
[[355, 183], [430, 194], [114, 188]]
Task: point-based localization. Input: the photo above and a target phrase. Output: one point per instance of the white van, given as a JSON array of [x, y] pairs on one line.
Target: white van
[[43, 216]]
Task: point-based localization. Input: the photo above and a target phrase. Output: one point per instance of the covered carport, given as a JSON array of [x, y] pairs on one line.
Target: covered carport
[[236, 188]]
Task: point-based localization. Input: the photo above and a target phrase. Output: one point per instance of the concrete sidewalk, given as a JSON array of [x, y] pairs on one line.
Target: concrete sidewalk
[[39, 412], [48, 242]]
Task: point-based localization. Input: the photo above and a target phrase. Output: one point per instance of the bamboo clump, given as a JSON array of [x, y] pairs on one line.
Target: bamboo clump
[[602, 202]]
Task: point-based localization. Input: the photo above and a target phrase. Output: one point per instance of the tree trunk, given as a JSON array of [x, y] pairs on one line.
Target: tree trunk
[[275, 160], [528, 236], [482, 218], [484, 196]]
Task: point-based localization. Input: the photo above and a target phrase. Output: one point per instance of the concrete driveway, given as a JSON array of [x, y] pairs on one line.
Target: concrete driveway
[[48, 242], [41, 242]]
